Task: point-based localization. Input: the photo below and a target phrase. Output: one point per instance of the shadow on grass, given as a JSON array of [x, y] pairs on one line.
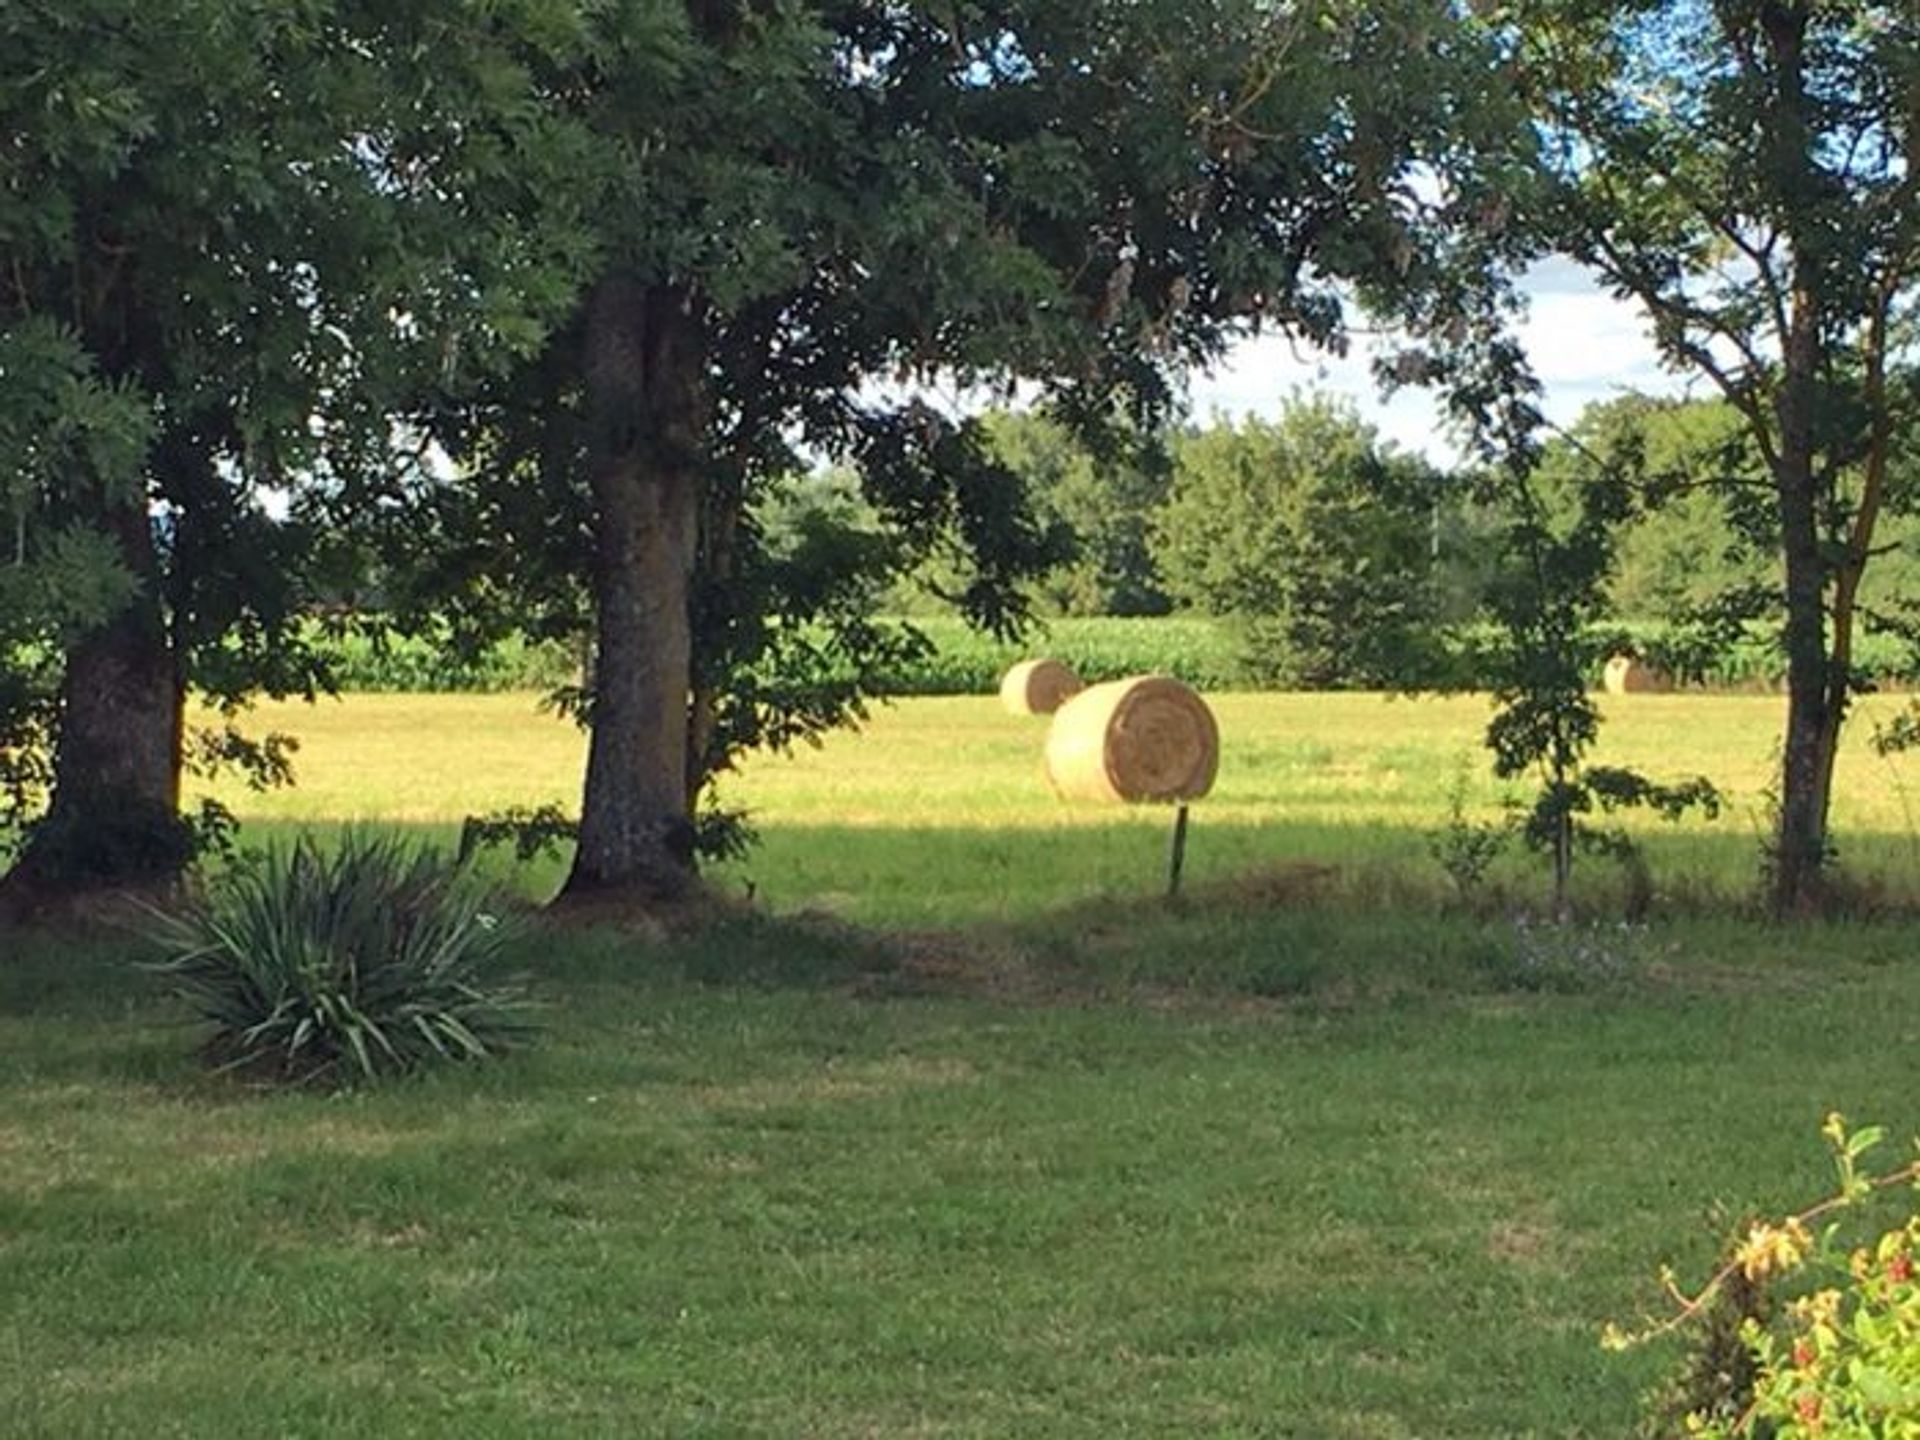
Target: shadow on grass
[[79, 973], [1298, 913]]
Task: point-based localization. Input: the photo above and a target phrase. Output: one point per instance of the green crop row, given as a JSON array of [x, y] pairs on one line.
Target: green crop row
[[1205, 653], [1755, 659], [418, 665], [1202, 652]]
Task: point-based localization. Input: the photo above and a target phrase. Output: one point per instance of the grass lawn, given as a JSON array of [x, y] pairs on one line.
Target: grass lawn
[[938, 812], [1039, 1157]]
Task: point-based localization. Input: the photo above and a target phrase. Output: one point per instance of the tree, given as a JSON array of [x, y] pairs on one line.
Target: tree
[[1701, 550], [1702, 539], [214, 227], [1314, 535], [1546, 595], [1746, 171], [1083, 197]]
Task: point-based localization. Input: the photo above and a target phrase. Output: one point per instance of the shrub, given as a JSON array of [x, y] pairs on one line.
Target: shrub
[[332, 966], [1466, 849]]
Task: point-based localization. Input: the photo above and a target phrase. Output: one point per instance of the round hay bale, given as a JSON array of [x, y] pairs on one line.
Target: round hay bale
[[1038, 687], [1630, 675], [1148, 738]]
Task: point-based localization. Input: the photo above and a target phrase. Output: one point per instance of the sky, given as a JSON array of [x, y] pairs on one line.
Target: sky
[[1584, 344]]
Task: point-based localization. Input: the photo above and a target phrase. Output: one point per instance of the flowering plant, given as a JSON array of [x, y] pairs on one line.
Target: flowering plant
[[1842, 1361]]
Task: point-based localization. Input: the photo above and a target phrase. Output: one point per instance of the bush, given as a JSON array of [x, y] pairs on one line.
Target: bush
[[335, 966]]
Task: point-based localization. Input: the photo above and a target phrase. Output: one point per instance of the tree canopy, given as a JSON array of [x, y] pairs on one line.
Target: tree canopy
[[223, 280], [1314, 534]]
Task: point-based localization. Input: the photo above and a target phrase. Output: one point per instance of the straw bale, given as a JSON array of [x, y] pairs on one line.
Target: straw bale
[[1630, 675], [1147, 738], [1038, 687]]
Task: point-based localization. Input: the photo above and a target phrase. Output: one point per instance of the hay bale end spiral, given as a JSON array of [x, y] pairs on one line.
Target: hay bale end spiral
[[1146, 738]]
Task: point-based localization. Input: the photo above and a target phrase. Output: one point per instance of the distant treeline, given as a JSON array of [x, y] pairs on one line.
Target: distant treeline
[[1301, 552]]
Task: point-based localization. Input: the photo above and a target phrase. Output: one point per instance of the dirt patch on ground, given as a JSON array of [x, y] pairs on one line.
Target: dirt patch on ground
[[1524, 1243], [1050, 964], [951, 962], [653, 922]]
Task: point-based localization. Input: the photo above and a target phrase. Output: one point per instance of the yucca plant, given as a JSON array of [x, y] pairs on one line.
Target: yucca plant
[[335, 964]]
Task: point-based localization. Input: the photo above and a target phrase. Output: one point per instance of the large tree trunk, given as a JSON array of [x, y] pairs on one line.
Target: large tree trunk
[[115, 820], [1859, 547], [647, 411], [719, 536], [1800, 844]]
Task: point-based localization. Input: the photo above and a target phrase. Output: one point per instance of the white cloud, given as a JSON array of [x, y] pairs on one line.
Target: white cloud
[[1585, 346]]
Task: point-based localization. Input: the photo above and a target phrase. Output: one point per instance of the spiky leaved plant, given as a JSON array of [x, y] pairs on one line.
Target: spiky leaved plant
[[337, 963]]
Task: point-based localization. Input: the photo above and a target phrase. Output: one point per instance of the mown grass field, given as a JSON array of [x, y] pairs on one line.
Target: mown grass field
[[938, 811], [1030, 1154]]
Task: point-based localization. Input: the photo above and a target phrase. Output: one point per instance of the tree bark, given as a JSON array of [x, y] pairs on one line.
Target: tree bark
[[1816, 694], [647, 409], [114, 821], [1800, 842], [1859, 547], [720, 530]]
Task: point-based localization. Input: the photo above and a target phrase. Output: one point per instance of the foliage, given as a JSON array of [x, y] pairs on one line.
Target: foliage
[[1853, 1365], [58, 421], [936, 655], [548, 831], [1701, 538], [1841, 1358], [1698, 572], [225, 206], [959, 660], [338, 964], [1713, 1384], [425, 658], [1900, 734], [789, 636], [1313, 536], [532, 831], [920, 202]]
